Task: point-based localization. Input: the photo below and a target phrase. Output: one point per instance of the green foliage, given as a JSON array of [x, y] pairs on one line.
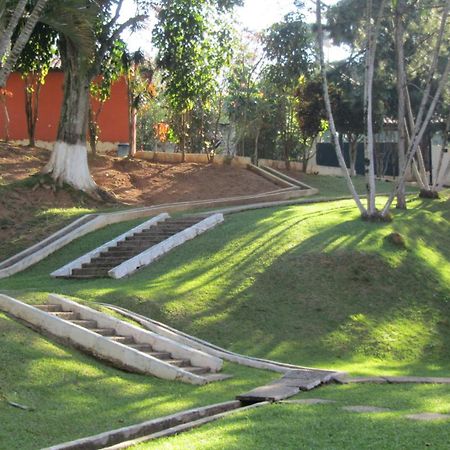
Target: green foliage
[[38, 54], [111, 69], [310, 108], [191, 37], [288, 46]]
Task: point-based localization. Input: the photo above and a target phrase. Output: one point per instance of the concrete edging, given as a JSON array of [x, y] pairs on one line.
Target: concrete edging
[[102, 220], [148, 256], [191, 341], [158, 342], [286, 177], [77, 263], [271, 177]]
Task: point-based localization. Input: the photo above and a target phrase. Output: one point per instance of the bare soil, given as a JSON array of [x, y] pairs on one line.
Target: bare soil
[[131, 182]]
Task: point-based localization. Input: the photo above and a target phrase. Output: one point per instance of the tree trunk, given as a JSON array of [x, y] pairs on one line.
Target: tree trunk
[[6, 116], [133, 133], [353, 147], [368, 103], [420, 133], [326, 95], [32, 92], [255, 154], [401, 89], [93, 130], [68, 163], [9, 59]]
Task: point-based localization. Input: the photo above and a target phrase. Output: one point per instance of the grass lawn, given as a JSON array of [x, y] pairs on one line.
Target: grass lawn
[[311, 285], [327, 426]]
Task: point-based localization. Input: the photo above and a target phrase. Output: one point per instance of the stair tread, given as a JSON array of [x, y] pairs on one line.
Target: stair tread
[[196, 369], [49, 308]]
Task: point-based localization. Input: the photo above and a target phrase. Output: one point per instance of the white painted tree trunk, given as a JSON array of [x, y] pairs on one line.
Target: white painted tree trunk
[[401, 89], [338, 149], [68, 163], [372, 36], [419, 136]]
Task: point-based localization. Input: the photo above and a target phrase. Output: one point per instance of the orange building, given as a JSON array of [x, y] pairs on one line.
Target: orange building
[[113, 120]]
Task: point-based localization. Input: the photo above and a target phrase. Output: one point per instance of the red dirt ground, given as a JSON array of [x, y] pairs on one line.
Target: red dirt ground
[[131, 182]]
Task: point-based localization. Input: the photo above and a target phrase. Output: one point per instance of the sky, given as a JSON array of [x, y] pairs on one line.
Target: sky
[[255, 15]]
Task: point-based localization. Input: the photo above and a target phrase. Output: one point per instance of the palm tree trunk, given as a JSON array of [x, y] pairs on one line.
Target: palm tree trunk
[[11, 58], [5, 40]]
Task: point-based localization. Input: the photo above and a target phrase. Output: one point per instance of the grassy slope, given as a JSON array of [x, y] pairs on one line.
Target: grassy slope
[[74, 395], [309, 284]]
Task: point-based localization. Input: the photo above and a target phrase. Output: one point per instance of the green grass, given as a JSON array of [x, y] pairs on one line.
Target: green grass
[[41, 224], [344, 297], [73, 395], [334, 186], [327, 426], [311, 285]]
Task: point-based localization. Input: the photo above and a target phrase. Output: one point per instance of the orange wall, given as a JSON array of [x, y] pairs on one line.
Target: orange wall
[[113, 120]]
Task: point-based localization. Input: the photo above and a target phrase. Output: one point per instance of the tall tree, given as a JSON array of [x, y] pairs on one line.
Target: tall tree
[[288, 48], [33, 65], [191, 37], [83, 49]]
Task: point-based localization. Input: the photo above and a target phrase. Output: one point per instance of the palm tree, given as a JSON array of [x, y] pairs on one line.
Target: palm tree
[[10, 18]]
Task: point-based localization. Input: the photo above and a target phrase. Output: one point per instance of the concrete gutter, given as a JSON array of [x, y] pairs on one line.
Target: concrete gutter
[[77, 263], [148, 256], [152, 429]]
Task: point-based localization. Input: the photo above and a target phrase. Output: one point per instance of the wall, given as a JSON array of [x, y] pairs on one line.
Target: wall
[[113, 120], [436, 155]]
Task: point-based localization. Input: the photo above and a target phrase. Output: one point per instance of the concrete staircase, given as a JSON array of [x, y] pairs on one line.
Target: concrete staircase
[[111, 334], [120, 343], [133, 245], [138, 247]]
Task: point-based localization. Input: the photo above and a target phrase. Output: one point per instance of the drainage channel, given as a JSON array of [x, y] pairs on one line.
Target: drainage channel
[[157, 428]]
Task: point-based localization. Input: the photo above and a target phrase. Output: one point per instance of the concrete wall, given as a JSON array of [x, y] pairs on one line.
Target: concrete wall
[[113, 120], [435, 157]]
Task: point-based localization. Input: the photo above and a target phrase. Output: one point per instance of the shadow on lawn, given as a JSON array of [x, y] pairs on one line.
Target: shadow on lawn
[[288, 284]]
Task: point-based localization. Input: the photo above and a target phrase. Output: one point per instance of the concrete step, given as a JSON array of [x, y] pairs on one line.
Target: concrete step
[[85, 323], [126, 340], [99, 264], [66, 315], [107, 332], [90, 272], [179, 362], [196, 370], [117, 341], [49, 308], [110, 259]]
